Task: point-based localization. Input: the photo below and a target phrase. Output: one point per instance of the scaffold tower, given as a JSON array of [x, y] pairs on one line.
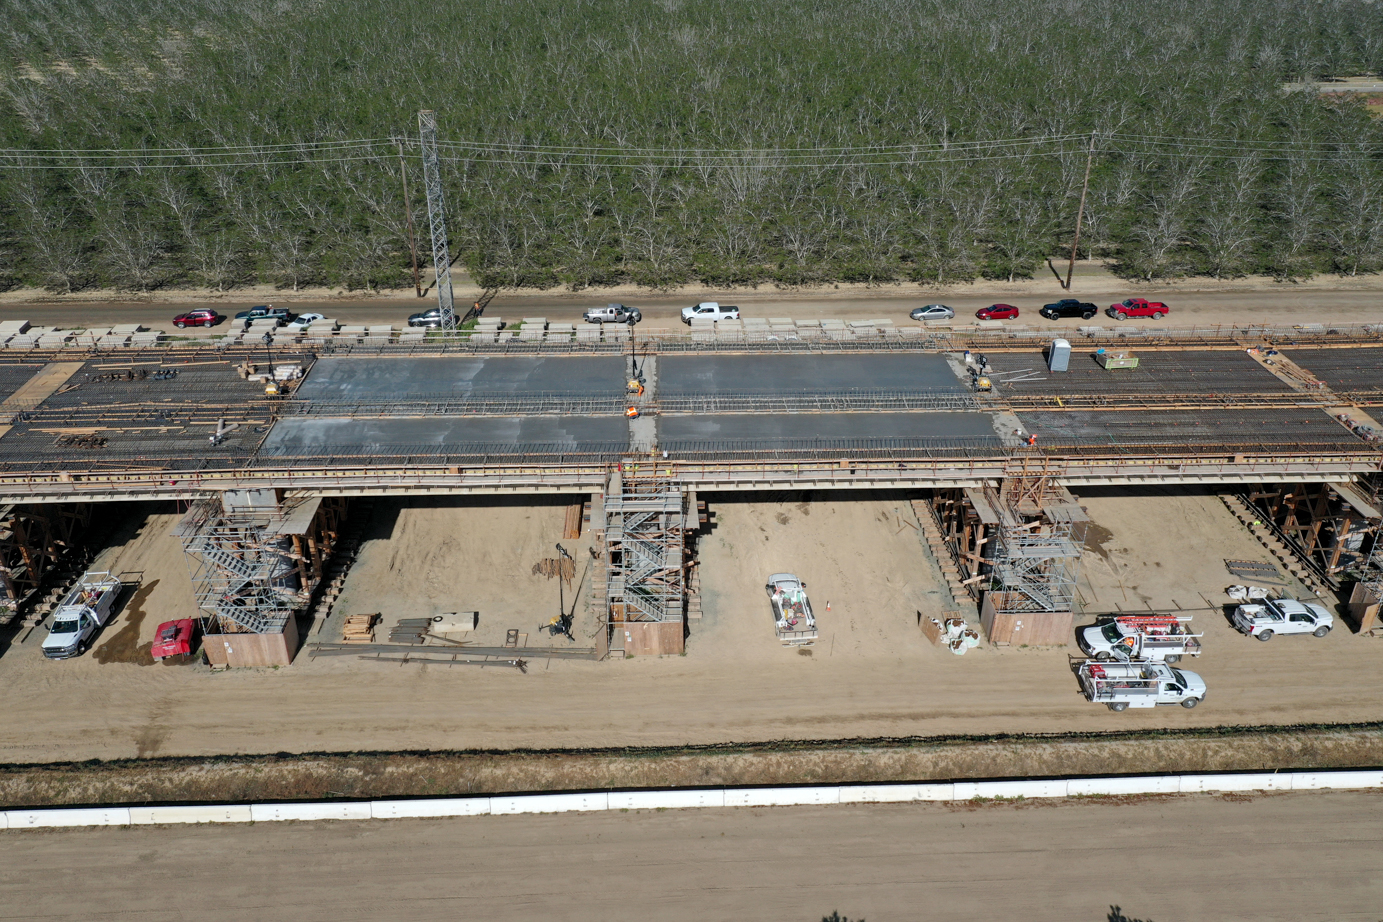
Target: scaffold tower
[[436, 216]]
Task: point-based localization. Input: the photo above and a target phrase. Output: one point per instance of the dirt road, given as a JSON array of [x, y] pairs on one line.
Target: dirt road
[[1196, 302], [1290, 857]]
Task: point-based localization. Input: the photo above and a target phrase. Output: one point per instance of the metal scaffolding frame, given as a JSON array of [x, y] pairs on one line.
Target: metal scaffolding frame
[[1035, 567], [645, 541], [254, 568]]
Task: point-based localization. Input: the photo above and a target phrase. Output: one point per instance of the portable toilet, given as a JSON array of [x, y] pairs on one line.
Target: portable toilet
[[1059, 356]]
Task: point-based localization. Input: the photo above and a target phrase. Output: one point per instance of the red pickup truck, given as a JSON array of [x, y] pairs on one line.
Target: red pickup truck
[[1137, 307]]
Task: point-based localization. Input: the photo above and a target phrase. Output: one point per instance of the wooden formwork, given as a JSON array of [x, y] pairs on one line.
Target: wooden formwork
[[32, 540]]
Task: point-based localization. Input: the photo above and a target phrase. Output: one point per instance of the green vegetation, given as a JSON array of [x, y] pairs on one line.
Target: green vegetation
[[1204, 165]]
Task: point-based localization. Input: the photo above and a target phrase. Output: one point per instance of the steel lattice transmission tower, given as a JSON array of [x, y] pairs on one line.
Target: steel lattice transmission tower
[[432, 179]]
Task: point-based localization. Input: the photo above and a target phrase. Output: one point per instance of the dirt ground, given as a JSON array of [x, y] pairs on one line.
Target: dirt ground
[[1303, 856], [427, 558], [867, 574], [870, 676]]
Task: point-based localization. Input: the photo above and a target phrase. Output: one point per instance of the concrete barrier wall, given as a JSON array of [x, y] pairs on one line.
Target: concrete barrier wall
[[694, 799]]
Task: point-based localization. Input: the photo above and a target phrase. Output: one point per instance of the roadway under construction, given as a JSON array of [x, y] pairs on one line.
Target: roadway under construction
[[1282, 416]]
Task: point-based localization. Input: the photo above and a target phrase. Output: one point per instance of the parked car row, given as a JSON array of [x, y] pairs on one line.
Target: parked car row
[[706, 310]]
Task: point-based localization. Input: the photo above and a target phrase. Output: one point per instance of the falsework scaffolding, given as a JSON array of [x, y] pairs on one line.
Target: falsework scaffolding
[[1017, 545], [254, 566], [645, 542], [34, 540]]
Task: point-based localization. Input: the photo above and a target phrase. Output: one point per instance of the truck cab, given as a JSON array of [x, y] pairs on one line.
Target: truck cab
[[613, 313]]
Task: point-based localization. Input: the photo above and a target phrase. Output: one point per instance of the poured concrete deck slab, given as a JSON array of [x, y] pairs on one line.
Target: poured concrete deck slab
[[769, 431], [447, 435], [680, 375], [1240, 430], [379, 380]]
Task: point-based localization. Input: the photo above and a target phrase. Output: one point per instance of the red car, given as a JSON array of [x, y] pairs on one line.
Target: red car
[[174, 638], [997, 312], [201, 317], [1137, 307]]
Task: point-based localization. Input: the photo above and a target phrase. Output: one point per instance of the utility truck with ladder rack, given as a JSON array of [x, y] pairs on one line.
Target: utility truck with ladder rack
[[1139, 685], [1156, 638]]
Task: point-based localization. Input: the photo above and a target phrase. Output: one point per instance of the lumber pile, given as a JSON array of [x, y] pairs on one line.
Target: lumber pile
[[564, 567], [577, 513], [360, 628]]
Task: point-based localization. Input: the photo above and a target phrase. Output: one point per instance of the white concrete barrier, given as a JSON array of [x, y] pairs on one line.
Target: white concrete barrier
[[270, 813], [711, 797], [781, 797], [666, 800], [1198, 784], [548, 803], [216, 813], [895, 793], [92, 816], [1015, 789], [1314, 781], [451, 806], [1145, 784]]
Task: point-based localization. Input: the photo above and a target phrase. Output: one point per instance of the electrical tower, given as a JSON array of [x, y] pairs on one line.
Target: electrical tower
[[432, 180]]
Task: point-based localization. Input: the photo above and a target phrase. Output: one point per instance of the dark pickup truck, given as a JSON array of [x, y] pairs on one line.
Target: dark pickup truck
[[613, 313], [1069, 307]]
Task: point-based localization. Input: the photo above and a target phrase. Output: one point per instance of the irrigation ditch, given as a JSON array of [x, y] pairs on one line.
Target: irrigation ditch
[[361, 775]]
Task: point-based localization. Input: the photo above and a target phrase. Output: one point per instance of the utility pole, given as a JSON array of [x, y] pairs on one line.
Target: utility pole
[[432, 180], [1080, 213], [408, 207]]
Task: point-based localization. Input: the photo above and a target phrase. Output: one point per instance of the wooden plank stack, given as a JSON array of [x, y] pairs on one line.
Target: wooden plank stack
[[575, 514], [359, 628]]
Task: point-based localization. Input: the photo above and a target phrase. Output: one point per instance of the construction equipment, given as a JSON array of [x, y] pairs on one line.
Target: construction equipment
[[1139, 685], [1152, 638], [792, 610]]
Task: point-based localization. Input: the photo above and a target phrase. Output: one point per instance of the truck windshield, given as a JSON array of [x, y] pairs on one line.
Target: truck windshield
[[1112, 633], [65, 627], [1181, 679]]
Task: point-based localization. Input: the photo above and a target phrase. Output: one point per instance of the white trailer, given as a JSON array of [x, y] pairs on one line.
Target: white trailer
[[81, 614], [1157, 638], [792, 610], [1139, 685]]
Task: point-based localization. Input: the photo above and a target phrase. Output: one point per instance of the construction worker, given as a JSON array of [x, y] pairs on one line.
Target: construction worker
[[1032, 439], [632, 412]]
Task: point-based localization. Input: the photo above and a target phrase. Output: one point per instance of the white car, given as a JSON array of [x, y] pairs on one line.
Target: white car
[[1283, 616], [932, 312], [303, 322], [710, 310]]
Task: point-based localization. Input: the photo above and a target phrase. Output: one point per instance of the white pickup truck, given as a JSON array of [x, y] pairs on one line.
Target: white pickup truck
[[710, 310], [1156, 638], [1139, 685], [1282, 616], [81, 615], [792, 611]]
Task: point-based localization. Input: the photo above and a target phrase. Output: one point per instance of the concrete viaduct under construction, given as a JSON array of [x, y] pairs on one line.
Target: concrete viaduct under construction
[[1283, 419]]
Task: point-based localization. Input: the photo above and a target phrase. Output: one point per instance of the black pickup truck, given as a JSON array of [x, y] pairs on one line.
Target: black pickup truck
[[1069, 307]]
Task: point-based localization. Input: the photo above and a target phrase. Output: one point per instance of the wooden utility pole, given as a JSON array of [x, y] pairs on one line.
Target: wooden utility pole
[[408, 207], [1080, 212]]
